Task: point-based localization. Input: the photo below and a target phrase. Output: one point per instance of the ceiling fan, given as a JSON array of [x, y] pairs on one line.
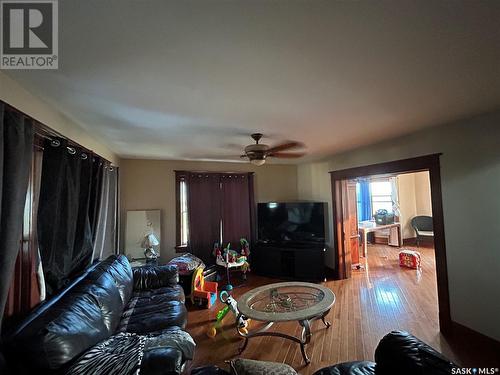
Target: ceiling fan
[[258, 152]]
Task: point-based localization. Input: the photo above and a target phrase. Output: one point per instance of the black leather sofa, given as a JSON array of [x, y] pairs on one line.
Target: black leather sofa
[[109, 298]]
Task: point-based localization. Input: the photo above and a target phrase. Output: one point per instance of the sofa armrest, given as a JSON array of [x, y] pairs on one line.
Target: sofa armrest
[[162, 361], [155, 277], [402, 353]]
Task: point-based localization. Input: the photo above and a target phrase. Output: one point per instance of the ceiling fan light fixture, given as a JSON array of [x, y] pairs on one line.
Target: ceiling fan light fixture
[[258, 152], [256, 148], [258, 162]]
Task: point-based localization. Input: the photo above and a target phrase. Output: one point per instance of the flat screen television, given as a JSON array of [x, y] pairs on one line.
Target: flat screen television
[[294, 222]]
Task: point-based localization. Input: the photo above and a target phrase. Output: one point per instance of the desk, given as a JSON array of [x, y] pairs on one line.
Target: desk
[[366, 227]]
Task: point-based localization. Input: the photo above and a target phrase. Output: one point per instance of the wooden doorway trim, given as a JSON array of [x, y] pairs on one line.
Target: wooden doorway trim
[[423, 163], [343, 260]]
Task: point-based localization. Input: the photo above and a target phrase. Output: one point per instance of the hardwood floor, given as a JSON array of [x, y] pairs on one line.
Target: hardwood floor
[[380, 298]]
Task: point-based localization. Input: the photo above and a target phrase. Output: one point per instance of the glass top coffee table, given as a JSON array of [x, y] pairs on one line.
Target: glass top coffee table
[[284, 302]]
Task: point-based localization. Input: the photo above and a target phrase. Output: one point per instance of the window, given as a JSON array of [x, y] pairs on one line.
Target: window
[[183, 203], [381, 194], [182, 211], [212, 207]]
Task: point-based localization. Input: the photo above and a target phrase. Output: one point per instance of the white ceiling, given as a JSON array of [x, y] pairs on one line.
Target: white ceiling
[[192, 79]]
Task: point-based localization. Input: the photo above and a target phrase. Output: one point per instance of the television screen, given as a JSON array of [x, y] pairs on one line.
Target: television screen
[[291, 222]]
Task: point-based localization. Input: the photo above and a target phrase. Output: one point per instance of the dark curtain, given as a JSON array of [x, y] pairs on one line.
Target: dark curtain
[[106, 235], [95, 194], [204, 212], [253, 209], [236, 208], [16, 149], [64, 225]]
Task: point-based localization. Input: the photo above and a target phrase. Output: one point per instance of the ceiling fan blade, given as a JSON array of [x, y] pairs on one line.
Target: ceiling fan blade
[[288, 145], [286, 155]]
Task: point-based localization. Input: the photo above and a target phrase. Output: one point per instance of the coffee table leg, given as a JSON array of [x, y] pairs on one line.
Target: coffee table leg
[[325, 322], [244, 346], [303, 341], [306, 338], [259, 332]]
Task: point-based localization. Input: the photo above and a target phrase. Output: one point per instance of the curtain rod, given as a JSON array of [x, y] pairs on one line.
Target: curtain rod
[[46, 131], [218, 172]]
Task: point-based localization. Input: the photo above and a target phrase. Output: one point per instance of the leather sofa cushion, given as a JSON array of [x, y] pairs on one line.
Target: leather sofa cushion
[[118, 267], [61, 333], [151, 296], [155, 277], [106, 296], [154, 310], [161, 361], [349, 368]]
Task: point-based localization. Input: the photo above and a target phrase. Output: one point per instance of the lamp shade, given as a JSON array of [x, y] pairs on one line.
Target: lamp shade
[[149, 240]]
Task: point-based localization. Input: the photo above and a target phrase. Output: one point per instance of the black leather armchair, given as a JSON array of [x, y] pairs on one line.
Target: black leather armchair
[[397, 353]]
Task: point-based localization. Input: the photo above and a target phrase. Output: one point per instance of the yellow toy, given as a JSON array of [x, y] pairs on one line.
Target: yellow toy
[[231, 305], [203, 293]]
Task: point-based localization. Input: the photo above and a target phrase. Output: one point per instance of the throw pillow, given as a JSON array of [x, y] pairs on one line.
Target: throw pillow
[[242, 366]]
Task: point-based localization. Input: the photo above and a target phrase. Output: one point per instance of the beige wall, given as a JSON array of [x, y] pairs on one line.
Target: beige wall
[[15, 95], [150, 184], [406, 193], [423, 201], [313, 183], [414, 192], [470, 176]]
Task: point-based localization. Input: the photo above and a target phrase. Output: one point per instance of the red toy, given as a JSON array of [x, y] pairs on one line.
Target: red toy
[[203, 293], [409, 258]]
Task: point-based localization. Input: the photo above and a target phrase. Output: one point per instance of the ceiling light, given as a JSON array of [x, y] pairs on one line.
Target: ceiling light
[[258, 161]]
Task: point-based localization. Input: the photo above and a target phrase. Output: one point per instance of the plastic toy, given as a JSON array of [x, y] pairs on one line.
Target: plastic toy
[[217, 252], [231, 305], [203, 293], [245, 247], [409, 258], [231, 259]]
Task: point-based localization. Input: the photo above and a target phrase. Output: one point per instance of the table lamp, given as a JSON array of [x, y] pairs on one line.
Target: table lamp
[[147, 244]]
